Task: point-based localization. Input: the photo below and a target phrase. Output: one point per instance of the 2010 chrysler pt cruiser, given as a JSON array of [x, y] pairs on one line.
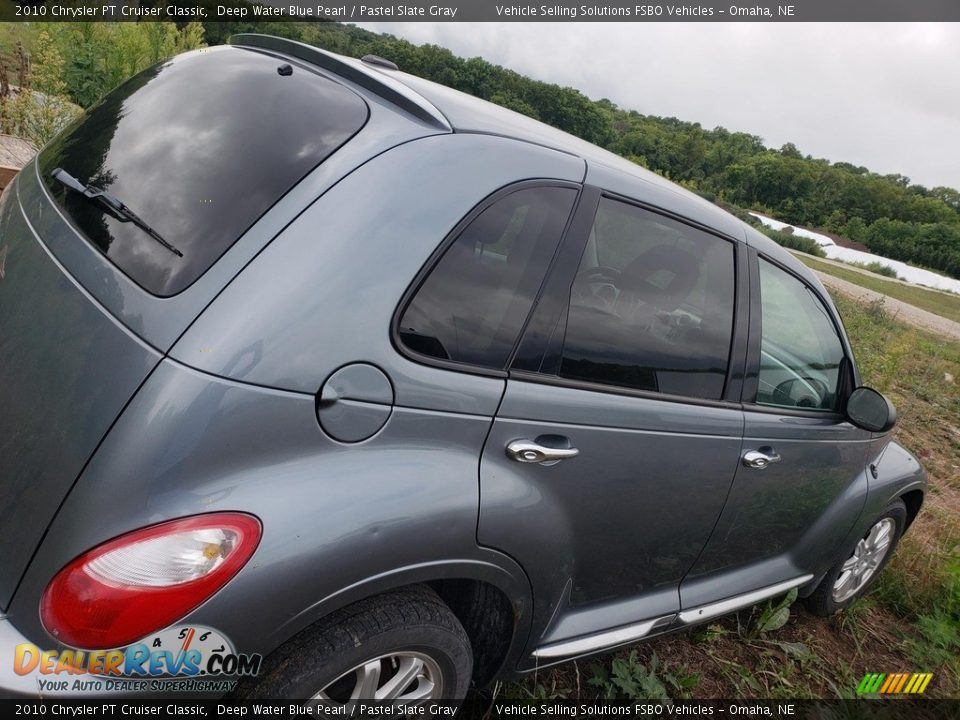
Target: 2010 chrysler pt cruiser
[[403, 391]]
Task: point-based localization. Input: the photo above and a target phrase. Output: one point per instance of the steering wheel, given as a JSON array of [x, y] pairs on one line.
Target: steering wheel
[[783, 394], [588, 283]]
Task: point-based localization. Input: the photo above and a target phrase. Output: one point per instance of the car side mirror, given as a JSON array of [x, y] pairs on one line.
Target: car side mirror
[[870, 410]]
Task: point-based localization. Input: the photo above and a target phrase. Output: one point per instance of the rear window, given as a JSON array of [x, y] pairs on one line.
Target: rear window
[[198, 147]]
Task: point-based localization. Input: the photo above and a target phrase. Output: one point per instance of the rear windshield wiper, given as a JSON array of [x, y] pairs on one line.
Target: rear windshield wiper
[[116, 208]]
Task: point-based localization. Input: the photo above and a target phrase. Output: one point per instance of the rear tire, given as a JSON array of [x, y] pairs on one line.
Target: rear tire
[[405, 644], [842, 585]]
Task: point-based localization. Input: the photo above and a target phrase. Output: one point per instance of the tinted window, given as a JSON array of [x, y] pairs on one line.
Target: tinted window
[[651, 307], [800, 351], [473, 305], [199, 147]]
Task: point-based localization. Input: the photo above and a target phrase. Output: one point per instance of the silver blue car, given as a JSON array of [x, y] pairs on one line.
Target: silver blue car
[[382, 391]]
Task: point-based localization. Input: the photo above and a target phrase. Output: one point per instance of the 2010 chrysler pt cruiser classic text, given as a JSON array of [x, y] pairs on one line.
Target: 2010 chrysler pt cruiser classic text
[[402, 391]]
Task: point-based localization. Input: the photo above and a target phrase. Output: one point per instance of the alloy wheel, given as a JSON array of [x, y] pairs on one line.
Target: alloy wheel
[[867, 557], [403, 676]]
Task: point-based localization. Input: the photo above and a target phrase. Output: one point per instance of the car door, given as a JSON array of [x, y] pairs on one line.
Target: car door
[[802, 481], [616, 441]]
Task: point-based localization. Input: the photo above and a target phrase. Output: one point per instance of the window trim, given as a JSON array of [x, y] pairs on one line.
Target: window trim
[[620, 390], [737, 362], [751, 384], [669, 214], [552, 302], [736, 353], [430, 265]]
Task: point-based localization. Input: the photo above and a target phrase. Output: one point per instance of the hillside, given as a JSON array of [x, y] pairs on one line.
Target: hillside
[[887, 213]]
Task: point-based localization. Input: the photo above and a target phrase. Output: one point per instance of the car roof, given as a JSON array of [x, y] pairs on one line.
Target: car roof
[[447, 109], [466, 113]]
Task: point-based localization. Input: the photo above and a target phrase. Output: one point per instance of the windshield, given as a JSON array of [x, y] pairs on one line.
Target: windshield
[[200, 146]]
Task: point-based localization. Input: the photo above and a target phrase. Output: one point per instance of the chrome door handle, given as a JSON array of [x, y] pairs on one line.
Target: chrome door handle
[[527, 451], [761, 457]]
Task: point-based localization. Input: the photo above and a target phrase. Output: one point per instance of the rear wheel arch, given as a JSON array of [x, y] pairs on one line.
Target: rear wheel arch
[[348, 652], [488, 617], [494, 606]]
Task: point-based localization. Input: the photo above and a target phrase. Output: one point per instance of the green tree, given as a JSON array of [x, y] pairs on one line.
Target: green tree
[[889, 213], [37, 108]]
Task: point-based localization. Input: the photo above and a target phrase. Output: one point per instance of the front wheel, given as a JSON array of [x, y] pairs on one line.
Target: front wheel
[[404, 645], [856, 571]]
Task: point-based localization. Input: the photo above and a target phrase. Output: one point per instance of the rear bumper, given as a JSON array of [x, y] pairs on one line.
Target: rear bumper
[[13, 685]]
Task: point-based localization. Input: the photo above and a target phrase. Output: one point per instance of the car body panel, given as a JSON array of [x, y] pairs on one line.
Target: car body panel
[[775, 511], [428, 186], [193, 416], [800, 507], [898, 472], [605, 536], [109, 332], [339, 519], [67, 368]]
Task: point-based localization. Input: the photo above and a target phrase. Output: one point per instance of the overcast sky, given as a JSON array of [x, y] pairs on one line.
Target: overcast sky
[[886, 96]]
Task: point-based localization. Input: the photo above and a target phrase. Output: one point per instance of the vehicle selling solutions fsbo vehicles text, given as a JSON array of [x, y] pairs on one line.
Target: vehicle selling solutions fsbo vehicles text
[[573, 12]]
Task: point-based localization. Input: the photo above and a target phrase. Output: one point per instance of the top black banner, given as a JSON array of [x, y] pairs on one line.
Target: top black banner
[[486, 11]]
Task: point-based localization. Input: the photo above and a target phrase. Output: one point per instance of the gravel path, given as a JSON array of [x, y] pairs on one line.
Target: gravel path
[[901, 310]]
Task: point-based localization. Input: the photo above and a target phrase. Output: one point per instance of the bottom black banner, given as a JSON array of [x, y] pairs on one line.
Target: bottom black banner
[[492, 709]]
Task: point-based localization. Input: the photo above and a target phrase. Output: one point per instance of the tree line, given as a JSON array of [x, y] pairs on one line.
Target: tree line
[[888, 213]]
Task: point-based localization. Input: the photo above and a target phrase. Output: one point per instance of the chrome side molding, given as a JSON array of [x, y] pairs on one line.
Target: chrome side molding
[[602, 640], [637, 631], [738, 602]]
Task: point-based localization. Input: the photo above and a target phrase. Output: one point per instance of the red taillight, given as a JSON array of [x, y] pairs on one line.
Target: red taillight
[[143, 581]]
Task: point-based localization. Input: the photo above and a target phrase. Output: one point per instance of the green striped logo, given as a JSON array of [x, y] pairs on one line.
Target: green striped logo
[[899, 683], [871, 683]]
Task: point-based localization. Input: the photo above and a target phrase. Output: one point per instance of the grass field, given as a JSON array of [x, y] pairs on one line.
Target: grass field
[[909, 622], [941, 303]]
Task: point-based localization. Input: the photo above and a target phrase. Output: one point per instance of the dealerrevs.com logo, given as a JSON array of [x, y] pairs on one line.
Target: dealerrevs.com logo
[[185, 658]]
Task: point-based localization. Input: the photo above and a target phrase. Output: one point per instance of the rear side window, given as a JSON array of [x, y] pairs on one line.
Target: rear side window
[[800, 350], [651, 307], [198, 147], [473, 305]]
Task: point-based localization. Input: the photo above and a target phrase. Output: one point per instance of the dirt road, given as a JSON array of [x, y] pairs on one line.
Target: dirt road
[[903, 311]]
